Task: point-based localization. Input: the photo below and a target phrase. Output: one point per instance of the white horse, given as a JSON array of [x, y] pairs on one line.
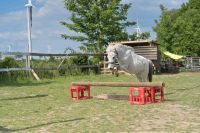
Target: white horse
[[129, 62]]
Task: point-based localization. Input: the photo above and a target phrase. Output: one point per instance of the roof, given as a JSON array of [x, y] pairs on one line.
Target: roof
[[135, 42], [172, 56]]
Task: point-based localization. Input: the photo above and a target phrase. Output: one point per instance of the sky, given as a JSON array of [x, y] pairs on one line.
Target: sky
[[47, 30]]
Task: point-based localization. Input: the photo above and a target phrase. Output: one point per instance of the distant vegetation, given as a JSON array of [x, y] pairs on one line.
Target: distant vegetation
[[9, 62], [47, 68]]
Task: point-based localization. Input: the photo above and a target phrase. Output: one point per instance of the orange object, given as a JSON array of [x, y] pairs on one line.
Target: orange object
[[145, 95], [80, 92]]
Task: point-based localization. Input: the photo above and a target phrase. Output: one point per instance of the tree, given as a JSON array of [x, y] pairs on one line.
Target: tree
[[164, 29], [9, 62], [0, 55], [188, 27], [98, 22], [178, 30], [142, 36]]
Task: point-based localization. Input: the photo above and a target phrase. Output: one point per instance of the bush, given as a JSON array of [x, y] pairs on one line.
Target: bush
[[77, 60], [9, 62], [95, 60]]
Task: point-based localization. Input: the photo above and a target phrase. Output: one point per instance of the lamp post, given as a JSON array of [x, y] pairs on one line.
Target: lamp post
[[29, 22]]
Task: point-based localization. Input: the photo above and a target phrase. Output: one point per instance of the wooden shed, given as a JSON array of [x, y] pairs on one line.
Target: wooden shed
[[146, 48]]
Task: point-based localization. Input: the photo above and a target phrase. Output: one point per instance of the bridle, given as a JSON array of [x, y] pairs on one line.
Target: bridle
[[116, 59]]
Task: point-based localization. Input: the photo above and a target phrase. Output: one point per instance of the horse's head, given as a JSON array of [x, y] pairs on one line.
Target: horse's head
[[112, 57]]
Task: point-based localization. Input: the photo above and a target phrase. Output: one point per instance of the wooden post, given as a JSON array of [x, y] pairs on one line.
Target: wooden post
[[27, 64], [35, 75], [104, 64], [61, 62]]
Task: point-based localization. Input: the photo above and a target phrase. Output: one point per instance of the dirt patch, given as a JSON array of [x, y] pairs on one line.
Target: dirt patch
[[112, 97]]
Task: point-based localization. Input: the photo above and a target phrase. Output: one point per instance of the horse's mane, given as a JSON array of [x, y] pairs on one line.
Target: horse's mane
[[119, 45]]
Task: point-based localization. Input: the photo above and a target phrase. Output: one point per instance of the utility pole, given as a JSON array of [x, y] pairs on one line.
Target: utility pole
[[49, 48], [9, 48], [29, 22], [138, 30]]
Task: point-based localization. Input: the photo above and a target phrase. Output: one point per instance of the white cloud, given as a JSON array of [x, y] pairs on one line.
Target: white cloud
[[46, 27], [40, 1], [20, 36], [51, 8], [12, 18], [147, 11]]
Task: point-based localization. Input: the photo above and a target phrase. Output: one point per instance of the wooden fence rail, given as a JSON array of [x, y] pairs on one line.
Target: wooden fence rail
[[48, 54]]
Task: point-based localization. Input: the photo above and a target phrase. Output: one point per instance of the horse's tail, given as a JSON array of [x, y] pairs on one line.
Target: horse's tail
[[150, 74]]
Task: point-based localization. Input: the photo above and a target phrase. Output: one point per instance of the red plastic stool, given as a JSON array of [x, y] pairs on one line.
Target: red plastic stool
[[145, 95], [160, 92], [79, 90], [140, 98], [148, 95]]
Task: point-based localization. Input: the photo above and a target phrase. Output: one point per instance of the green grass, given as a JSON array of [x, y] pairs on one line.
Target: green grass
[[46, 107]]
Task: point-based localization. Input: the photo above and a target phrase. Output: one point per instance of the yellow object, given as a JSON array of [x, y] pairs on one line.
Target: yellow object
[[173, 56]]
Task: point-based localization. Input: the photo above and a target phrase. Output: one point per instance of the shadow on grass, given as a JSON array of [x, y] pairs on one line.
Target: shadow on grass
[[27, 97], [170, 100], [30, 83], [168, 93], [4, 130], [39, 125], [188, 88]]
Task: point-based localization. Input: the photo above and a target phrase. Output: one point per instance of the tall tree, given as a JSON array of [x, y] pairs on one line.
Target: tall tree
[[178, 30], [164, 28], [98, 22], [188, 29]]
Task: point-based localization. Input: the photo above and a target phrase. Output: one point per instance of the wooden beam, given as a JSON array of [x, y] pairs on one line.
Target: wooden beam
[[48, 54], [14, 69], [35, 75], [120, 84]]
